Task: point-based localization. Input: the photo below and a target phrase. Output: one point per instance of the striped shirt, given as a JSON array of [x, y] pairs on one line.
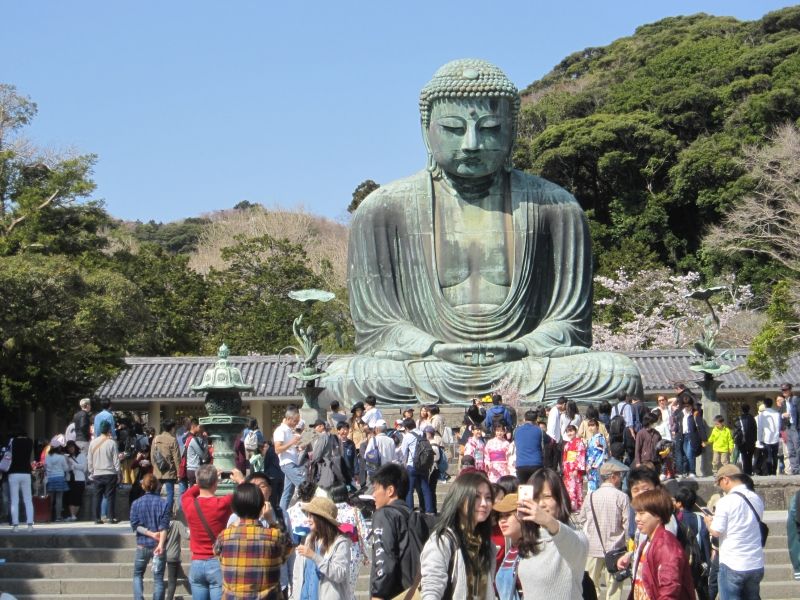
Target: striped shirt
[[149, 511], [251, 557]]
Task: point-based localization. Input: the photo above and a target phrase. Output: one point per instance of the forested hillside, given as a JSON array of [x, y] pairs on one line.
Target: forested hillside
[[648, 133]]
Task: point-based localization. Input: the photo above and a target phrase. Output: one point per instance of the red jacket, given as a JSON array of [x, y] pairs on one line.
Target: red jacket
[[665, 573]]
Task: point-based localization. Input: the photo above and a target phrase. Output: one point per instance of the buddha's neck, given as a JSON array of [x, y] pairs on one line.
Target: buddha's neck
[[470, 188]]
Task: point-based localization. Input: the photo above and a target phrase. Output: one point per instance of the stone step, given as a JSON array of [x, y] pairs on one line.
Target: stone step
[[105, 570], [104, 587]]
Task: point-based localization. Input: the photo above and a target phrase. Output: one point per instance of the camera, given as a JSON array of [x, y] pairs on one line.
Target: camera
[[224, 475], [622, 574]]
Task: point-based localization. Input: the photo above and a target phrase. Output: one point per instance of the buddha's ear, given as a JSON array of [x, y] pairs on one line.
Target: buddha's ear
[[432, 166]]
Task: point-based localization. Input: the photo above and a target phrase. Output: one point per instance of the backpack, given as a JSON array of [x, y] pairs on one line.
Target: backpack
[[142, 443], [372, 459], [205, 456], [447, 436], [129, 445], [161, 463], [616, 429], [251, 440], [443, 464], [417, 533], [687, 538], [182, 467], [423, 454]]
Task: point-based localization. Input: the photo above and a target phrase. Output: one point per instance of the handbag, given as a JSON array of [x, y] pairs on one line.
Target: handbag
[[5, 462], [611, 557], [762, 527]]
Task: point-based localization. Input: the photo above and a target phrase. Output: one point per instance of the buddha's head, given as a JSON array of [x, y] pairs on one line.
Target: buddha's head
[[469, 114]]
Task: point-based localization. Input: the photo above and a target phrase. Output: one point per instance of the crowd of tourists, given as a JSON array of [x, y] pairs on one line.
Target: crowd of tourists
[[591, 504]]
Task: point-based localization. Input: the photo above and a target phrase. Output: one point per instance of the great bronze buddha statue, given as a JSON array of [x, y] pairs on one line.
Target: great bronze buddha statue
[[469, 271]]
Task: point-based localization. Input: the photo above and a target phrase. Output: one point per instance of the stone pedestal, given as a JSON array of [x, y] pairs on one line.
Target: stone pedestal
[[222, 431], [311, 410]]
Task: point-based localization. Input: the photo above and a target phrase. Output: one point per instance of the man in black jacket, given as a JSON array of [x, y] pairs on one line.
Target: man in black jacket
[[389, 528], [744, 436], [82, 422]]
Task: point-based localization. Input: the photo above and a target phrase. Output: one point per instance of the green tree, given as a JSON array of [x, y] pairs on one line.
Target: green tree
[[772, 347], [63, 329], [248, 306], [38, 190], [363, 189], [173, 297]]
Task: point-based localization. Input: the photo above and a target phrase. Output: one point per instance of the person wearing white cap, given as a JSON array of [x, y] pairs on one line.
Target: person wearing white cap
[[605, 515]]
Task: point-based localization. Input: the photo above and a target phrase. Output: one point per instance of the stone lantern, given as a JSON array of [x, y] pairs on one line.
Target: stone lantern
[[223, 385]]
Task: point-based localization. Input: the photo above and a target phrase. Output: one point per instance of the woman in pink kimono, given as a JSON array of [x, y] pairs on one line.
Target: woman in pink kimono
[[476, 448], [498, 450], [574, 466]]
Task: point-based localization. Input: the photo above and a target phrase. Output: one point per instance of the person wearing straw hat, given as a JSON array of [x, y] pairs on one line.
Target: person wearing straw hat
[[326, 568], [506, 581]]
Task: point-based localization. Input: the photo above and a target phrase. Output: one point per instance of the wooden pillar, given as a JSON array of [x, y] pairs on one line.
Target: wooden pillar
[[154, 414], [257, 413]]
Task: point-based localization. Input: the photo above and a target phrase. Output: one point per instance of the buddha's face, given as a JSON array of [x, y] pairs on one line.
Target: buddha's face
[[470, 138]]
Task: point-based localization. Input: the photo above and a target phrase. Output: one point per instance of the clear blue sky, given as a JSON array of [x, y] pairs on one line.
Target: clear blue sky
[[194, 106]]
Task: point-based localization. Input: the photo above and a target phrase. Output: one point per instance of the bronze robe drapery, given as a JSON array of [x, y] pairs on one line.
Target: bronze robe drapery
[[400, 312]]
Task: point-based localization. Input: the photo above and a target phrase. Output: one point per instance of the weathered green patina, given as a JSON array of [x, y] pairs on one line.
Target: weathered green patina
[[223, 385], [470, 271]]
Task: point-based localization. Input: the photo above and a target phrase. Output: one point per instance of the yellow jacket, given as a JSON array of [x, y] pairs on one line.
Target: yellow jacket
[[721, 439]]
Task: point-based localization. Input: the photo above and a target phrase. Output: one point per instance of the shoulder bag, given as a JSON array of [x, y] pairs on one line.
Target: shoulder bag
[[613, 556], [206, 526], [5, 462], [763, 528]]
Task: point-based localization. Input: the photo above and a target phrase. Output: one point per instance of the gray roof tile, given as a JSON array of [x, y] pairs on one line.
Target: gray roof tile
[[172, 377]]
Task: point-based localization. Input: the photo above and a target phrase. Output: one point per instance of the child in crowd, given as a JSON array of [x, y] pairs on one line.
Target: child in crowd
[[595, 453], [498, 452], [574, 466], [476, 448], [721, 440]]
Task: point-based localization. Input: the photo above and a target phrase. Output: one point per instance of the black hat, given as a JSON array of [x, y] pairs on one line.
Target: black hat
[[356, 406]]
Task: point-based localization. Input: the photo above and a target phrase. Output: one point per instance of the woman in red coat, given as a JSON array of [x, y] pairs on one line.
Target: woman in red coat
[[660, 568]]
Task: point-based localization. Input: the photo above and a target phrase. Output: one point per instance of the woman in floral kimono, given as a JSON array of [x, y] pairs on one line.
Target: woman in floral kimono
[[574, 466], [476, 448], [595, 453], [498, 450]]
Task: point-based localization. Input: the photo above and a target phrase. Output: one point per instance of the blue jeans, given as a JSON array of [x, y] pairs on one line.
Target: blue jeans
[[143, 556], [206, 579], [688, 453], [294, 476], [419, 481], [739, 585]]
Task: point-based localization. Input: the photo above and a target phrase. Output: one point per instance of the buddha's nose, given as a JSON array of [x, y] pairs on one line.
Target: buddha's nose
[[470, 139]]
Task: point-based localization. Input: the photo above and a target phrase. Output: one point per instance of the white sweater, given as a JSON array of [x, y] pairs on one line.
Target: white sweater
[[557, 570], [434, 562]]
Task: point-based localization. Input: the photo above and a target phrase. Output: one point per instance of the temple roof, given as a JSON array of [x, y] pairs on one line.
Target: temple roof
[[168, 378]]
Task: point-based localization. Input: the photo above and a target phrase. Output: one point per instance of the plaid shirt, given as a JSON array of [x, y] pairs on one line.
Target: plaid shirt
[[251, 557], [149, 511]]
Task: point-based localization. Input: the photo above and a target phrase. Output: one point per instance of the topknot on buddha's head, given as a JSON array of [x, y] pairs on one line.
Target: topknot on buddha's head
[[467, 78]]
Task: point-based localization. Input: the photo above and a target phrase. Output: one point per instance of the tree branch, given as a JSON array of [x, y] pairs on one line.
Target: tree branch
[[21, 218]]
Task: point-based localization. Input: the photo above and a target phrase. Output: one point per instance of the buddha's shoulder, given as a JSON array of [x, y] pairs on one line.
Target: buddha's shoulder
[[544, 191], [394, 195]]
